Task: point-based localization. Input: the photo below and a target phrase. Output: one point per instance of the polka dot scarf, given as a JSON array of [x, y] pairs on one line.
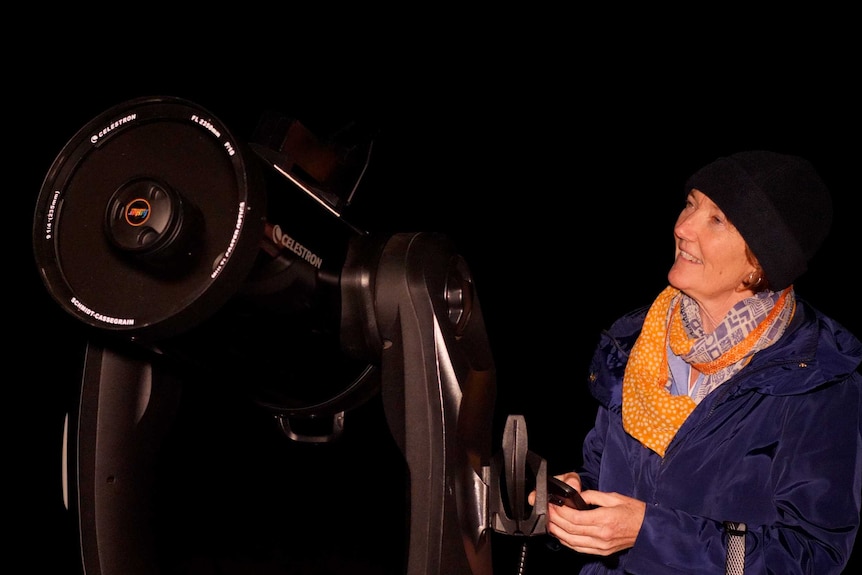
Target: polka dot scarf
[[651, 414]]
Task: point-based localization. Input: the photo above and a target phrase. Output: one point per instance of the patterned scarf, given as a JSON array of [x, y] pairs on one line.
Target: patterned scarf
[[651, 414]]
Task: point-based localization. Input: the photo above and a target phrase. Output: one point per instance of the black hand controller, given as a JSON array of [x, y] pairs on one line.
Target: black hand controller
[[561, 493]]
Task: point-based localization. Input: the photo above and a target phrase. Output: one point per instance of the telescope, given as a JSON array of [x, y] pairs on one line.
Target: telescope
[[200, 264]]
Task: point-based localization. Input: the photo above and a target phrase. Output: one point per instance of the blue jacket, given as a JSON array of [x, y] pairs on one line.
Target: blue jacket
[[777, 447]]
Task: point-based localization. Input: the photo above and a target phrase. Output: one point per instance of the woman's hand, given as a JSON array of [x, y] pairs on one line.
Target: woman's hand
[[612, 526]]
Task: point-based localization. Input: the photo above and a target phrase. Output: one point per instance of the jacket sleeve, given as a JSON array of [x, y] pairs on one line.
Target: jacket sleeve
[[607, 368], [592, 451]]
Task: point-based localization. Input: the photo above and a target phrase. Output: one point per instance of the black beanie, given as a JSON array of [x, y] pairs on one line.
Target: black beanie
[[777, 202]]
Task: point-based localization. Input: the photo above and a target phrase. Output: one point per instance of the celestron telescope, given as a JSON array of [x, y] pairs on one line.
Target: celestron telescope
[[189, 254]]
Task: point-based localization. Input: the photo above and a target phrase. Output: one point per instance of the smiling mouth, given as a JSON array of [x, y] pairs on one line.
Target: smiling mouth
[[688, 257]]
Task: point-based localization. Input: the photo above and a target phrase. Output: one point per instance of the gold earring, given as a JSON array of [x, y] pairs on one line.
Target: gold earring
[[751, 281]]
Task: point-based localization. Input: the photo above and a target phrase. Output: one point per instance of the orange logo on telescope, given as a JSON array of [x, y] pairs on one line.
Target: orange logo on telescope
[[137, 212]]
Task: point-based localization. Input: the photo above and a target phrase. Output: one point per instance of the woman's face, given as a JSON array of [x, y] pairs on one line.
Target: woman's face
[[710, 261]]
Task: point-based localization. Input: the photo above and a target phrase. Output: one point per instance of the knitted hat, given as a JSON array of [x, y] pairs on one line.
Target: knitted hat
[[777, 202]]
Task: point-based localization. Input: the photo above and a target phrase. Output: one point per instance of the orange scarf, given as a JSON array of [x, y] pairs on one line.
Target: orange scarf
[[651, 414]]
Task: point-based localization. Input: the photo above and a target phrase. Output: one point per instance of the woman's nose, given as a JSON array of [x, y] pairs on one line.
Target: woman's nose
[[683, 227]]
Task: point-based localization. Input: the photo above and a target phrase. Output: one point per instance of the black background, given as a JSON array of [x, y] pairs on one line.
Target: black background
[[555, 163]]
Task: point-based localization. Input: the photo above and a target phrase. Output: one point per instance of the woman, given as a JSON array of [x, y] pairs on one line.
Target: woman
[[729, 408]]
